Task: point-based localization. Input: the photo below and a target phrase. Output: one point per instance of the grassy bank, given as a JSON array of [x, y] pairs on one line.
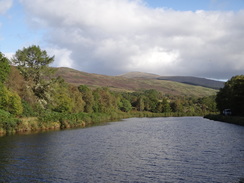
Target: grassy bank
[[55, 120], [228, 119]]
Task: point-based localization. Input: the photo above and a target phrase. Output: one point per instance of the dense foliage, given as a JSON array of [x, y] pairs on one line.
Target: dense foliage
[[231, 96], [33, 64], [4, 68], [29, 90]]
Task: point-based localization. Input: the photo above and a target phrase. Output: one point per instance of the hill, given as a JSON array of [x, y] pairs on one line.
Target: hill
[[194, 81], [140, 75], [181, 79], [133, 83]]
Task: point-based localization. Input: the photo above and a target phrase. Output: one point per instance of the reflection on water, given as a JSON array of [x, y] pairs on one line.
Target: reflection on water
[[189, 149]]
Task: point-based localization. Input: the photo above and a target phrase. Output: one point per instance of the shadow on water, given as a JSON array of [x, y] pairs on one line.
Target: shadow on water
[[241, 180]]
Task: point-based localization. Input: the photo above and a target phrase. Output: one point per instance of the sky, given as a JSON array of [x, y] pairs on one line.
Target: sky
[[202, 38]]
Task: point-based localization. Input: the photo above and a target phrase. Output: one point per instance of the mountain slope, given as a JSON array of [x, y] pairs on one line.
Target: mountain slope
[[194, 81], [121, 83], [181, 79], [140, 75]]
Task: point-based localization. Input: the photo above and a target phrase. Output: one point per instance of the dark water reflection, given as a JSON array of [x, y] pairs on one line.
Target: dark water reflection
[[189, 149]]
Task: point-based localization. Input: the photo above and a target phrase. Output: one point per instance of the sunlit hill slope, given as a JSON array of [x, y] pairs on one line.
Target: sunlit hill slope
[[136, 81]]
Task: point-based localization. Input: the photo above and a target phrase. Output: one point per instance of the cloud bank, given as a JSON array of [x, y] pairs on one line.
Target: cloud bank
[[117, 36]]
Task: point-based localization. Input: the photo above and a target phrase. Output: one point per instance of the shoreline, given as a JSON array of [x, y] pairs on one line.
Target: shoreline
[[27, 125], [237, 120]]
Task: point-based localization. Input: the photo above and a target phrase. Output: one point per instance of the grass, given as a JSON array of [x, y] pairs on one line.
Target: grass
[[55, 121]]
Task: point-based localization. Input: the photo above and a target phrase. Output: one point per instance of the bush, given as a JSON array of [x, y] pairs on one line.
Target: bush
[[7, 122]]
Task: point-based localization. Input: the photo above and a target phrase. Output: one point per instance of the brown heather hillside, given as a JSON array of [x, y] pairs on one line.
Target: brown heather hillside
[[132, 83]]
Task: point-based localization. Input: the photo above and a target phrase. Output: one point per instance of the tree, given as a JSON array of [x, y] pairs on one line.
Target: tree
[[140, 105], [10, 101], [166, 107], [232, 96], [33, 64], [125, 105], [14, 104], [87, 97], [4, 68], [177, 106]]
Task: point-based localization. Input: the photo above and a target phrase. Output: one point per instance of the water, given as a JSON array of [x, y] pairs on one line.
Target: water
[[189, 149]]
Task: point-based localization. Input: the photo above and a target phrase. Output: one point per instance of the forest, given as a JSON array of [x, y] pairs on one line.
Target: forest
[[32, 98]]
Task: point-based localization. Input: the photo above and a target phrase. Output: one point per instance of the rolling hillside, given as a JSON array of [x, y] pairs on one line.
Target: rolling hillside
[[132, 83], [181, 79], [195, 81]]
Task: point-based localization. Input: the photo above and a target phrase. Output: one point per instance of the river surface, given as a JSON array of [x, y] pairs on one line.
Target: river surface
[[170, 150]]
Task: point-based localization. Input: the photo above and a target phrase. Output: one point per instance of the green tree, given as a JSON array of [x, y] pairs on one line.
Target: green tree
[[33, 64], [10, 101], [76, 96], [63, 103], [177, 106], [153, 97], [104, 101], [232, 95], [60, 97], [125, 105], [88, 98], [4, 68], [166, 106], [14, 104], [209, 103], [140, 104], [4, 97]]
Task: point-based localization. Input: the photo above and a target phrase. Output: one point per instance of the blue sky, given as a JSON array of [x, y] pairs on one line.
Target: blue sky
[[201, 38], [193, 5]]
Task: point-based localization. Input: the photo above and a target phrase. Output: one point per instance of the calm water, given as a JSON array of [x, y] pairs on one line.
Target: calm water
[[189, 149]]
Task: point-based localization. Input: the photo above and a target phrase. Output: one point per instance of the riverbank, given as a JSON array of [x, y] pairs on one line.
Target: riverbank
[[57, 121], [238, 120]]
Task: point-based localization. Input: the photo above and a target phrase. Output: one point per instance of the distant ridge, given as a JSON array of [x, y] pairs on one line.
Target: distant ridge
[[194, 81], [197, 81], [134, 81], [140, 75]]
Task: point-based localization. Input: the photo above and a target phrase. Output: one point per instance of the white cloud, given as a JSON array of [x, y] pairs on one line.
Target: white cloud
[[116, 36], [62, 55], [5, 5]]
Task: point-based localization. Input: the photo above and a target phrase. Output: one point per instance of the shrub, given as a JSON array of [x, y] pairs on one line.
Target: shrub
[[7, 122]]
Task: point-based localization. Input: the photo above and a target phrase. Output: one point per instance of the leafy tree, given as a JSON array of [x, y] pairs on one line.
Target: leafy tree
[[140, 105], [208, 103], [10, 101], [232, 95], [60, 97], [125, 105], [76, 97], [63, 103], [33, 64], [4, 68], [105, 101], [177, 106], [14, 104], [152, 99], [87, 97], [166, 106], [4, 97]]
